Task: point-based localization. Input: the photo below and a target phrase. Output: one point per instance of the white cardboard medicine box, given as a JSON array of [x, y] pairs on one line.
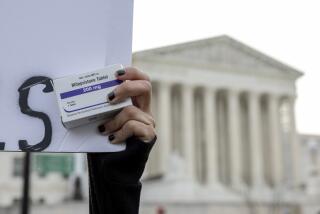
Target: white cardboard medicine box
[[82, 98]]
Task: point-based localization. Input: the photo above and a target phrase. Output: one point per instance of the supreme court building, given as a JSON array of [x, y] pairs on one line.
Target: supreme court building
[[227, 140]]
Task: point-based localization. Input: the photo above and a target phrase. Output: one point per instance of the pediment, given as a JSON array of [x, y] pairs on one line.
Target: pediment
[[220, 52]]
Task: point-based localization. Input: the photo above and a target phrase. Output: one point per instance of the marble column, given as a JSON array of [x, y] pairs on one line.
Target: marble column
[[275, 140], [188, 130], [164, 122], [294, 143], [235, 139], [255, 138], [211, 136]]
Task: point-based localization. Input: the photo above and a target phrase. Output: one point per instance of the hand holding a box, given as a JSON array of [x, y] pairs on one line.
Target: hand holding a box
[[133, 120]]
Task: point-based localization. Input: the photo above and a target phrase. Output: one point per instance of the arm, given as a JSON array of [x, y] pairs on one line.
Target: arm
[[115, 177]]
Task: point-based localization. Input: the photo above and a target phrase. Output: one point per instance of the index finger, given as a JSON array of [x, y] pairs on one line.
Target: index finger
[[131, 73]]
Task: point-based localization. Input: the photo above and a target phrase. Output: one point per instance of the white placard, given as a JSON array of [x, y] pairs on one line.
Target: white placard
[[45, 39]]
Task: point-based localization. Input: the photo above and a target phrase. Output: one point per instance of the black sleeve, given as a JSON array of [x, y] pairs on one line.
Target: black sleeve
[[114, 178]]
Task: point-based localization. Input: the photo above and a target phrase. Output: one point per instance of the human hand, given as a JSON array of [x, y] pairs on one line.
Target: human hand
[[133, 121]]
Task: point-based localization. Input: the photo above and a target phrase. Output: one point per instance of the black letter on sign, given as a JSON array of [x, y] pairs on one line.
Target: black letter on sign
[[25, 109]]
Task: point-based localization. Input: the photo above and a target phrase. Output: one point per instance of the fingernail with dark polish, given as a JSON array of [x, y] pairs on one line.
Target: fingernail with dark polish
[[101, 128], [121, 72], [111, 137], [111, 96]]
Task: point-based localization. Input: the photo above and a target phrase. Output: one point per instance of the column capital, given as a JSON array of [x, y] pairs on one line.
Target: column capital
[[254, 93], [212, 88], [291, 98], [187, 88], [276, 95], [209, 89], [164, 84], [233, 91]]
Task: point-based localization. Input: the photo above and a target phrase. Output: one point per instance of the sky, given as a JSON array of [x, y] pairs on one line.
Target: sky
[[285, 30]]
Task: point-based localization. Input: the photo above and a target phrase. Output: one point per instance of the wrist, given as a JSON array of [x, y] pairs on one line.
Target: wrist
[[127, 167]]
